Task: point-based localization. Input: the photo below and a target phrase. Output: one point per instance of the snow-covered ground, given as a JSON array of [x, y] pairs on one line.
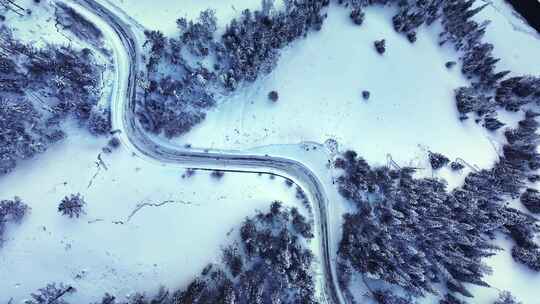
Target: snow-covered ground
[[115, 248], [320, 81], [37, 27]]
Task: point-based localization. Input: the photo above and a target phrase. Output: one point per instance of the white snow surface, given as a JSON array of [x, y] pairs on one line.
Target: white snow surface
[[319, 80], [168, 244]]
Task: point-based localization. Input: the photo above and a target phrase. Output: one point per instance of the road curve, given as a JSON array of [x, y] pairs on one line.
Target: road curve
[[137, 140]]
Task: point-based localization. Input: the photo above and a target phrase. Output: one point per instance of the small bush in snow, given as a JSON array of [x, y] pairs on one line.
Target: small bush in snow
[[72, 206], [357, 16], [437, 160], [217, 174], [99, 122], [365, 95], [114, 142], [456, 166], [189, 173], [411, 37], [273, 96], [380, 46]]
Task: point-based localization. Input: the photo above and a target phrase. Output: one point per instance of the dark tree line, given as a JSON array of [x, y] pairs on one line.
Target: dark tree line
[[52, 293], [39, 89]]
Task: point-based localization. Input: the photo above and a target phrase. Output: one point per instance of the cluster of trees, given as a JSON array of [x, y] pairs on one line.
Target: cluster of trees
[[173, 102], [22, 133], [437, 160], [11, 211], [413, 14], [270, 265], [414, 234], [39, 89], [478, 62], [250, 45], [72, 206], [515, 92], [183, 74], [466, 35], [52, 293]]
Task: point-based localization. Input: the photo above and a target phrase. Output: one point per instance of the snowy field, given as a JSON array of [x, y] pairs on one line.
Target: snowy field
[[119, 246], [146, 225], [411, 93]]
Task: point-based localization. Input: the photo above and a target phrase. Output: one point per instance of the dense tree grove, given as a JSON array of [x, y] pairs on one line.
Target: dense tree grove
[[173, 101], [40, 88], [11, 211], [270, 265], [413, 233], [251, 44], [531, 200], [515, 92]]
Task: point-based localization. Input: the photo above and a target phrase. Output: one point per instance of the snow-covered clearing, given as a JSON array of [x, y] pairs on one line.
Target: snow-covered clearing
[[146, 225], [112, 249], [320, 80]]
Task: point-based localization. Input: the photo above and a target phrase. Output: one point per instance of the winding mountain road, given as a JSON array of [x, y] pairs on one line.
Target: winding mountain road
[[127, 54]]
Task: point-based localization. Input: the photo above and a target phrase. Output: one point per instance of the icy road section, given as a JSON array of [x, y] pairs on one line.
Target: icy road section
[[119, 246], [320, 81]]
